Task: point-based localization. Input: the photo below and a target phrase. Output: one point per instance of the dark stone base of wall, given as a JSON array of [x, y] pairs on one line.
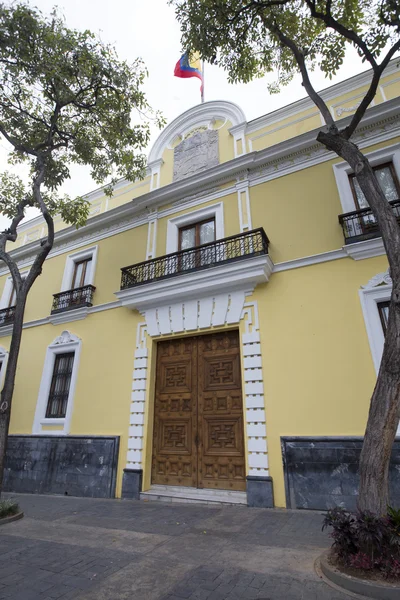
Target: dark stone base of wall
[[322, 472], [260, 492], [132, 484], [67, 465]]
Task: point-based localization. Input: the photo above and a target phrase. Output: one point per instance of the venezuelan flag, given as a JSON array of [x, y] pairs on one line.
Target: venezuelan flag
[[189, 67]]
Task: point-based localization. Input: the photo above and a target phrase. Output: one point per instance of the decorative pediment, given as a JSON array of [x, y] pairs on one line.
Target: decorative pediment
[[66, 338], [378, 280]]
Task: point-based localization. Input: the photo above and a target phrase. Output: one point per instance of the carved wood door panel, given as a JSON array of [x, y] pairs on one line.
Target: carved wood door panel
[[220, 406], [175, 414], [198, 417]]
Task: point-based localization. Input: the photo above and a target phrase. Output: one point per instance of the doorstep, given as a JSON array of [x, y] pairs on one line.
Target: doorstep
[[169, 493]]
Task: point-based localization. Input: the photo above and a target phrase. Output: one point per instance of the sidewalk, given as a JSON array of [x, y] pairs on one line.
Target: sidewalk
[[90, 549]]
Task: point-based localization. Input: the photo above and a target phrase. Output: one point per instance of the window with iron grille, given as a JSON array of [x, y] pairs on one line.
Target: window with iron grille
[[60, 384]]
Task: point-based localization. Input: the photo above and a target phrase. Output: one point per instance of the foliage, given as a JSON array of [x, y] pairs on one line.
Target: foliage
[[245, 37], [364, 541], [65, 98], [8, 508]]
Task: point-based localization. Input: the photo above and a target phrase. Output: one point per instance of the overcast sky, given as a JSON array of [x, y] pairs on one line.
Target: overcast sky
[[147, 28]]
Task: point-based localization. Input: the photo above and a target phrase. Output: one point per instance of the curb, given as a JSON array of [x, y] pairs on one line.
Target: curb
[[11, 518], [353, 586]]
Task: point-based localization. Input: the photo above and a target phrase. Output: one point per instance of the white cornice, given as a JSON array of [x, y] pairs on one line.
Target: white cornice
[[380, 123], [243, 275]]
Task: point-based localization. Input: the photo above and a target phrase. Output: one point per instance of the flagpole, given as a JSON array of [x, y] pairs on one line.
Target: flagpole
[[202, 87]]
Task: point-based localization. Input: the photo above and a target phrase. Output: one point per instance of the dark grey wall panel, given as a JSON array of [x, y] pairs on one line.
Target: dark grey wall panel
[[322, 472], [70, 465]]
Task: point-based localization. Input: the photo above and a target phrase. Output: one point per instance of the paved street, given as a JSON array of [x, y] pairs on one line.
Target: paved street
[[125, 550]]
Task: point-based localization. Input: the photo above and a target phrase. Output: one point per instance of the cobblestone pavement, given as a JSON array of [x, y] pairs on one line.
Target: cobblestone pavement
[[90, 549]]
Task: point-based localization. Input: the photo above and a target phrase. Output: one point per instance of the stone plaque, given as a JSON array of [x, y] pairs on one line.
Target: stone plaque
[[197, 153]]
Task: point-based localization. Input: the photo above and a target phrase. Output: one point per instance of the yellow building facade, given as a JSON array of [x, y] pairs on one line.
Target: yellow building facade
[[214, 331]]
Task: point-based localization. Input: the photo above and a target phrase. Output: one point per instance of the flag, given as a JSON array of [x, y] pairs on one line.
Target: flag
[[186, 67]]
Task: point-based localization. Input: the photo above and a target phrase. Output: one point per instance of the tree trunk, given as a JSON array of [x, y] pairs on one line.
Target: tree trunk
[[9, 381], [384, 412]]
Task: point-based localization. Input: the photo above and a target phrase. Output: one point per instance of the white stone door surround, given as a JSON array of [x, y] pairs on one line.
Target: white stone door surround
[[202, 316]]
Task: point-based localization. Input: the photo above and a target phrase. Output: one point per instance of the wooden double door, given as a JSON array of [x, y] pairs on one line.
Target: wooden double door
[[198, 417]]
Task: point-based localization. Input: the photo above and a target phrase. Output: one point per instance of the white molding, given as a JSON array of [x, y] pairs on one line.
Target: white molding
[[66, 342], [244, 274], [3, 362], [365, 249], [70, 265], [380, 123], [75, 314], [342, 170], [369, 297], [201, 114], [7, 290], [6, 330], [243, 197], [307, 261], [378, 289], [173, 225], [253, 404]]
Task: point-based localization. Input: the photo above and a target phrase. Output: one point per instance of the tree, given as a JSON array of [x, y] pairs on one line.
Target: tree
[[65, 98], [251, 38]]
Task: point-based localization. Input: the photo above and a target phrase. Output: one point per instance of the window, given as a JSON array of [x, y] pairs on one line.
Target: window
[[383, 310], [57, 386], [60, 384], [197, 234], [82, 273], [388, 181], [193, 236], [79, 269]]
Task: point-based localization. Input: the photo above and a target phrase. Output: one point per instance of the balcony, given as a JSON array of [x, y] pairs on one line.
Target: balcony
[[228, 250], [7, 316], [361, 225], [238, 262], [72, 299]]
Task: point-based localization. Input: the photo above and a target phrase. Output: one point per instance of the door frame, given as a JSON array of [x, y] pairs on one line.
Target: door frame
[[140, 440]]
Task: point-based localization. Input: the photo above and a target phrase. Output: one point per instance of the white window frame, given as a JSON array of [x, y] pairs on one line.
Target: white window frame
[[342, 171], [72, 259], [377, 290], [3, 362], [66, 342], [7, 290], [215, 211]]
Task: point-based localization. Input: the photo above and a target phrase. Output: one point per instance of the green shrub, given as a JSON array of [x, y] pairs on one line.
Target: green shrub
[[8, 508], [364, 541]]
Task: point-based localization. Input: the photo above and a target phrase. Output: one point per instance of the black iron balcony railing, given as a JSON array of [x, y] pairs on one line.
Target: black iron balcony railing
[[7, 316], [361, 225], [71, 299], [233, 248]]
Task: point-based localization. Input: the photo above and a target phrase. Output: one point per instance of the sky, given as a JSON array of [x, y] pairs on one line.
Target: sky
[[148, 29]]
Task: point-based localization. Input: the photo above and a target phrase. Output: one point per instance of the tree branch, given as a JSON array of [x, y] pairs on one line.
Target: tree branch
[[348, 34], [300, 59], [36, 268], [369, 96]]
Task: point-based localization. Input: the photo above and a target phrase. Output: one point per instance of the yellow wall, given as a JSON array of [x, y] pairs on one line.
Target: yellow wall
[[103, 389], [317, 366]]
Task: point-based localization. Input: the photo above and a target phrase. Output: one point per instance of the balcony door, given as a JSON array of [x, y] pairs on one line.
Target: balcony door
[[192, 237], [198, 436]]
